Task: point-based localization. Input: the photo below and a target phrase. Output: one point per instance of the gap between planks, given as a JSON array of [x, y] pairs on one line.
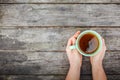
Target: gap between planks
[[46, 74], [46, 51], [59, 3], [24, 27]]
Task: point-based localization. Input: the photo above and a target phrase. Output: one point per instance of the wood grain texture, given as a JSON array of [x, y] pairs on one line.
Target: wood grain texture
[[59, 1], [59, 15], [52, 77], [50, 39], [32, 77], [46, 63]]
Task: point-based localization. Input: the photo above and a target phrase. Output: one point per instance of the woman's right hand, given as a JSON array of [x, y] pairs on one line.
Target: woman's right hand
[[98, 58]]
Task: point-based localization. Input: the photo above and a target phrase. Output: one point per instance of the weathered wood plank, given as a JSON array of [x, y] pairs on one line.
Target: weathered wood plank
[[59, 1], [52, 77], [59, 15], [50, 39], [32, 77], [35, 63]]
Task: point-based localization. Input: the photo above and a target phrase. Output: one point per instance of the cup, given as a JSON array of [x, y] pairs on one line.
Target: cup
[[77, 46]]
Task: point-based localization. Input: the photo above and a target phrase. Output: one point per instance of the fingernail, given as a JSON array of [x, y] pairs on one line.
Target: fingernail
[[78, 31]]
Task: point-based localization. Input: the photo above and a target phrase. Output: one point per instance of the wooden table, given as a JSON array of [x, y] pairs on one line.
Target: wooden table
[[34, 33]]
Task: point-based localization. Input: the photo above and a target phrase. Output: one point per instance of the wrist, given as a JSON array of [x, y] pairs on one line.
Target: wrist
[[77, 66], [94, 63], [97, 65]]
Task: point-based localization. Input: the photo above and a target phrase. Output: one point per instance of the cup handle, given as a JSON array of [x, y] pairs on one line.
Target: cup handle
[[73, 47]]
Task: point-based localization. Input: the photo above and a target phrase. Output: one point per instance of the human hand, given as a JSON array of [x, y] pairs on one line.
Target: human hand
[[98, 72], [75, 58], [98, 58]]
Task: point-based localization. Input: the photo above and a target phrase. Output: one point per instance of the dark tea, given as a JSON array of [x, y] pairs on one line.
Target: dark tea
[[88, 43]]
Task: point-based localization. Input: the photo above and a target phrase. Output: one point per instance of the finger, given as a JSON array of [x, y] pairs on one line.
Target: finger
[[105, 48], [73, 41], [104, 44], [76, 34], [69, 42]]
